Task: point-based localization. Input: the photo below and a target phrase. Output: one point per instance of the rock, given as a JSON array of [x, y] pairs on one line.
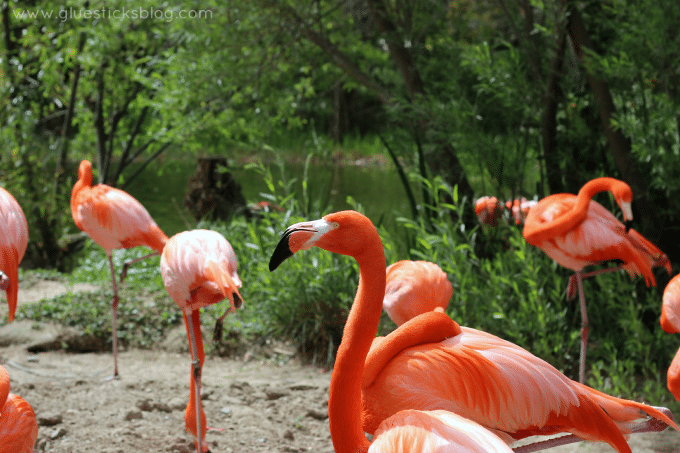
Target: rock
[[49, 419], [70, 339], [275, 394], [134, 415], [58, 433], [317, 415]]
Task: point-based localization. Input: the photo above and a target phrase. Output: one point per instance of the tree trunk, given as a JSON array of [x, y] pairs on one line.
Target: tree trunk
[[617, 141], [553, 95]]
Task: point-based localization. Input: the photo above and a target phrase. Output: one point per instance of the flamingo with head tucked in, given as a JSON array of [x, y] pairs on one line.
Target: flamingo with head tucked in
[[199, 269], [114, 220], [415, 287], [576, 231], [18, 426], [489, 210], [431, 363], [13, 242], [670, 322]]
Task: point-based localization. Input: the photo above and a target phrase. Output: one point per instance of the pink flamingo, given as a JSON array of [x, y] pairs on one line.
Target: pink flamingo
[[431, 363], [18, 426], [488, 210], [577, 232], [199, 269], [415, 287], [670, 322], [114, 220], [12, 247]]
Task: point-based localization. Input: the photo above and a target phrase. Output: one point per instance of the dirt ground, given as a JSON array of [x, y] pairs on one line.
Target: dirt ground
[[253, 403]]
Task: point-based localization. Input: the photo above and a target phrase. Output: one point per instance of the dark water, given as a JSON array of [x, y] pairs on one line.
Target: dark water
[[378, 190]]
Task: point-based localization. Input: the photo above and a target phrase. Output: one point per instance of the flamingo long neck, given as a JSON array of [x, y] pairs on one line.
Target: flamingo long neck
[[578, 213], [344, 401]]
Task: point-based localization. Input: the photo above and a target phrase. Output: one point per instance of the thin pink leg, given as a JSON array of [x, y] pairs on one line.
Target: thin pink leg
[[584, 329], [572, 285], [127, 264], [196, 370], [114, 328]]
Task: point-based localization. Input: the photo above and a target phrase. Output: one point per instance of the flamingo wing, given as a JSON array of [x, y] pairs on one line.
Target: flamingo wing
[[13, 243], [435, 432]]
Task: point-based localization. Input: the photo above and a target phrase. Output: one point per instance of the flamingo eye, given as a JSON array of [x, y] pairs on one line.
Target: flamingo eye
[[335, 225]]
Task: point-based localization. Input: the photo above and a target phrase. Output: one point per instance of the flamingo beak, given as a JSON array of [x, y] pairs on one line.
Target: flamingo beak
[[300, 236]]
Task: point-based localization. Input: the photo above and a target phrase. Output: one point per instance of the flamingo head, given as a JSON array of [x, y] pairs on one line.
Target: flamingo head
[[343, 232], [85, 172], [623, 195]]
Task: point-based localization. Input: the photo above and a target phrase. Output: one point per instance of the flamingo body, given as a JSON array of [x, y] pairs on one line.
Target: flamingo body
[[601, 237], [670, 322], [199, 269], [434, 432], [111, 217], [479, 376], [18, 426], [414, 287], [13, 242], [488, 210]]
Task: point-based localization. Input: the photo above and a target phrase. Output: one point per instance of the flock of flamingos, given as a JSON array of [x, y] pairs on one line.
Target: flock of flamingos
[[429, 386]]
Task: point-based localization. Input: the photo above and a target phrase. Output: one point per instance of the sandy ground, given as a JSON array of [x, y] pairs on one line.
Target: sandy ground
[[254, 403]]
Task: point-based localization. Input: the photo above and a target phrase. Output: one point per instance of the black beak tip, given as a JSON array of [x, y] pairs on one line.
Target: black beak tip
[[281, 253], [628, 224]]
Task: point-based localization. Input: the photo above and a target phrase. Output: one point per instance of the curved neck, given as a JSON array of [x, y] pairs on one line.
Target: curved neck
[[344, 400], [576, 215]]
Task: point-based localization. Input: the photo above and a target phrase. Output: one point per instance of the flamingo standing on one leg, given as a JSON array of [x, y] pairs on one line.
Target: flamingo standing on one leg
[[13, 242], [577, 232], [431, 363], [114, 220], [18, 426], [199, 269], [415, 287], [670, 322]]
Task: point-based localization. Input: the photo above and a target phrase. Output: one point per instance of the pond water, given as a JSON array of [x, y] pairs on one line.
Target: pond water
[[376, 187]]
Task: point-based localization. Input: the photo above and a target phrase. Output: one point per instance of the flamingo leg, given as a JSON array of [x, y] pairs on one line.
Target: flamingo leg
[[585, 328], [196, 375], [114, 327], [127, 264]]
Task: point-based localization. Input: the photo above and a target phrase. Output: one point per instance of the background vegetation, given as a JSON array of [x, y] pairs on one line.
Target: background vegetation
[[466, 97]]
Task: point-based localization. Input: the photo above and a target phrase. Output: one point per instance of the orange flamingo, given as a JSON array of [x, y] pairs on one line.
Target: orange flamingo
[[577, 232], [18, 426], [199, 269], [431, 363], [670, 322], [415, 287], [12, 247], [114, 220], [488, 210]]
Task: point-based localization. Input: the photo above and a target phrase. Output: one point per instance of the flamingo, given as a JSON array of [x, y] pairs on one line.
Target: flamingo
[[199, 269], [577, 232], [488, 210], [114, 220], [13, 244], [670, 322], [431, 363], [19, 428], [415, 287]]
